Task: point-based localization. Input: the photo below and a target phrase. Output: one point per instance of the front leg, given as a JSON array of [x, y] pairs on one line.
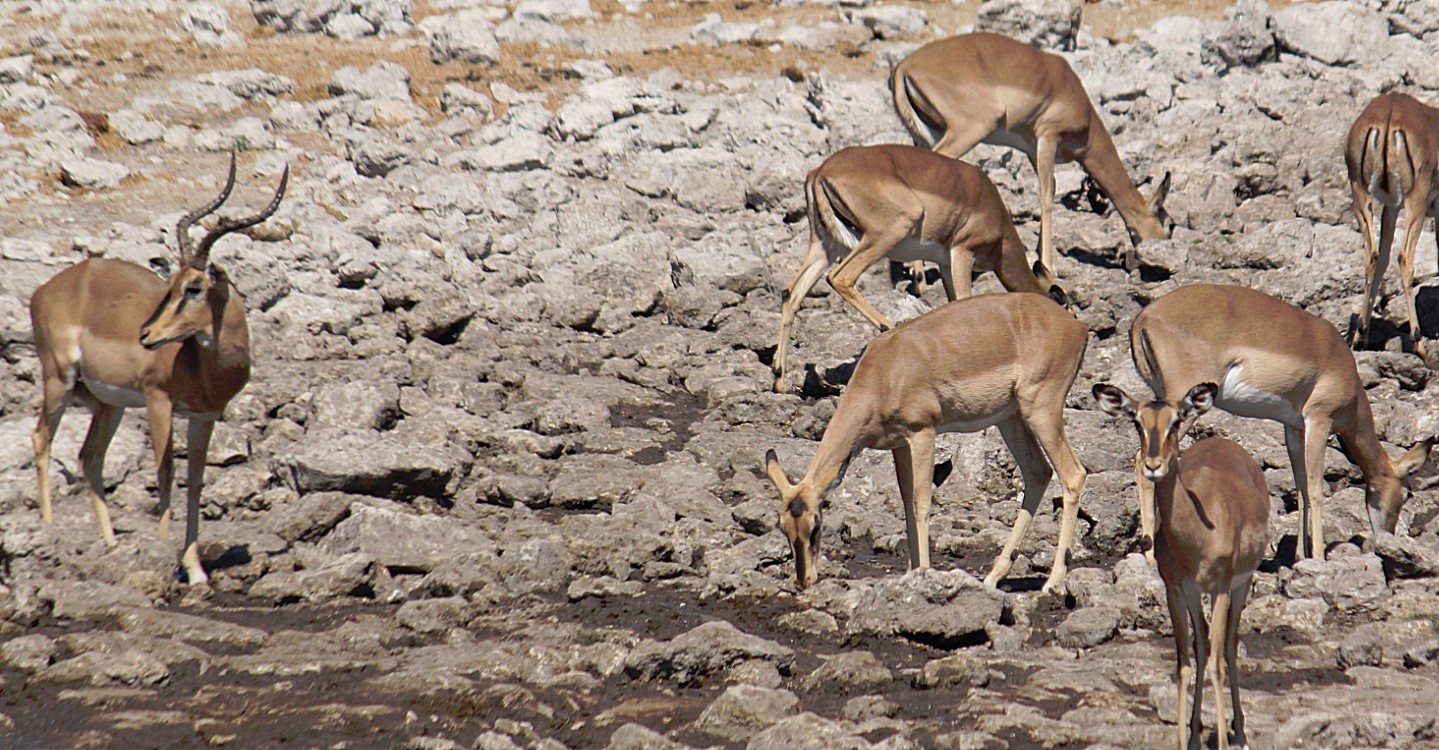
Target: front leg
[[1045, 152], [914, 468], [159, 411], [198, 446]]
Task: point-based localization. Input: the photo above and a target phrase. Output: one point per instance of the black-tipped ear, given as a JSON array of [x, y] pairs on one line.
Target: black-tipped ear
[[1114, 401], [1199, 400], [1414, 458], [1059, 297], [774, 471]]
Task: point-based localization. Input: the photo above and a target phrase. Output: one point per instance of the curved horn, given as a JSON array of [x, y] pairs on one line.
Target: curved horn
[[226, 226], [182, 229]]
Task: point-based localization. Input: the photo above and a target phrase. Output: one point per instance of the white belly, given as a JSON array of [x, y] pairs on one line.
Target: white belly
[[1238, 397], [914, 248], [972, 423], [115, 395]]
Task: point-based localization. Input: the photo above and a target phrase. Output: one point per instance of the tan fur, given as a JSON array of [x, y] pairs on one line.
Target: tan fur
[[1003, 359], [1233, 335], [955, 93], [113, 334], [1213, 528], [1392, 154], [865, 201]]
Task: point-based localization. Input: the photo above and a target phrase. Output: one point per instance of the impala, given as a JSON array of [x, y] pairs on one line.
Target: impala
[[869, 202], [1272, 361], [1392, 154], [113, 335], [955, 93], [1213, 508], [997, 359]]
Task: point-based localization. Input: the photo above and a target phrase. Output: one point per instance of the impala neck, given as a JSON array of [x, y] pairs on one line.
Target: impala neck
[[230, 350], [1363, 448], [1176, 507], [1102, 163], [847, 433], [1013, 271]]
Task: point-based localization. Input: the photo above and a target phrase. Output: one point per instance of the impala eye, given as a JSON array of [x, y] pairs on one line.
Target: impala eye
[[192, 291]]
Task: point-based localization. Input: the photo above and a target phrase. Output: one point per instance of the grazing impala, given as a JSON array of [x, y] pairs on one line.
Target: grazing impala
[[1213, 530], [113, 335], [955, 93], [1272, 361], [995, 359], [1393, 154], [869, 202]]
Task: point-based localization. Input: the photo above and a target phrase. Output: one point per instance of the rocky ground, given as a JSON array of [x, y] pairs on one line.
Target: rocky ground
[[496, 480]]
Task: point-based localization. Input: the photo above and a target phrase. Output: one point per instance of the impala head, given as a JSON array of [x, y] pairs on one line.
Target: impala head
[[1161, 424], [799, 518], [1384, 495], [198, 291], [1163, 225]]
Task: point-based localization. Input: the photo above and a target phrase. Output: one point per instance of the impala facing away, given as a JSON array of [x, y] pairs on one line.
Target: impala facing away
[[1272, 361], [1393, 154], [869, 202], [1213, 530], [113, 335], [955, 93], [995, 359]]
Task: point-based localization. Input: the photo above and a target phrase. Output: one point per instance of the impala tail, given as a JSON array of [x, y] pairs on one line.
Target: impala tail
[[924, 123]]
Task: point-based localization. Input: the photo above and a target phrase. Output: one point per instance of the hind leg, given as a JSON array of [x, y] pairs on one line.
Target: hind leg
[[92, 462], [55, 396]]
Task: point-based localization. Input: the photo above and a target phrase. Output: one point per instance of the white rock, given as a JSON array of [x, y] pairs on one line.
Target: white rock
[[891, 21], [383, 80], [17, 69], [1336, 32], [553, 10], [135, 127], [92, 173], [209, 24], [466, 36]]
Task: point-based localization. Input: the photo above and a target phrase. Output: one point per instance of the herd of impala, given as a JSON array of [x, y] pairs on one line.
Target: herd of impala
[[112, 335], [1008, 360]]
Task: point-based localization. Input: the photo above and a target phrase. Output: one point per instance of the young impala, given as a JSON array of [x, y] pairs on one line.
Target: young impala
[[1393, 155], [1275, 361], [113, 335], [996, 359], [1213, 508], [955, 93], [909, 204]]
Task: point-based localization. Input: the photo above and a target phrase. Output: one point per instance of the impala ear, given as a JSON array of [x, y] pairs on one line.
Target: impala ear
[[1114, 401], [1057, 294], [1199, 400], [1156, 204], [774, 471], [1413, 458]]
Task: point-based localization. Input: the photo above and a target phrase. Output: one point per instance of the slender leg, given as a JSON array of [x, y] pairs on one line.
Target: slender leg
[[1237, 599], [1316, 434], [843, 276], [1364, 214], [914, 467], [92, 462], [1179, 617], [956, 273], [1036, 474], [1047, 425], [1145, 489], [159, 410], [1218, 654], [1044, 164], [198, 445], [1414, 217], [1195, 607], [959, 139], [54, 398], [1294, 442], [809, 273], [1375, 265]]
